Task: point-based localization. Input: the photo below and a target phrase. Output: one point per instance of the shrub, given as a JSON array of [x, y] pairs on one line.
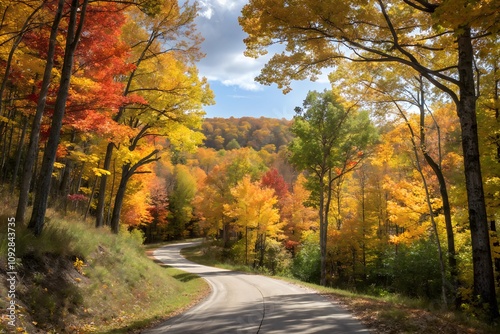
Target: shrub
[[414, 270], [307, 263]]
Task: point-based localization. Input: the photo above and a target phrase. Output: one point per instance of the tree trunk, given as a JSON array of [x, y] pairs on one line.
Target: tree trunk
[[91, 197], [120, 195], [65, 184], [5, 153], [101, 200], [484, 282], [426, 188], [110, 201], [32, 153], [322, 233], [41, 198], [324, 221], [19, 154], [434, 227], [436, 168]]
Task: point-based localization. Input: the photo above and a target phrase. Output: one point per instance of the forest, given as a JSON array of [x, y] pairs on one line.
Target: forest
[[258, 133], [386, 183]]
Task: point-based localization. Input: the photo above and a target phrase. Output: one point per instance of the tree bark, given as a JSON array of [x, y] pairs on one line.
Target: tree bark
[[120, 195], [101, 199], [484, 282], [19, 154], [127, 172], [322, 233]]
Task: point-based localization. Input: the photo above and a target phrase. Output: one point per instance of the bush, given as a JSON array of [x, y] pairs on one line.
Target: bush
[[306, 265], [414, 270]]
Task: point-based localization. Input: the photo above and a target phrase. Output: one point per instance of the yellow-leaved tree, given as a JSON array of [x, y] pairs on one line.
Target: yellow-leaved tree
[[256, 215]]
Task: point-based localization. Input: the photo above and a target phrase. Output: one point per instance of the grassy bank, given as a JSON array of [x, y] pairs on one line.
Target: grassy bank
[[77, 279], [389, 314]]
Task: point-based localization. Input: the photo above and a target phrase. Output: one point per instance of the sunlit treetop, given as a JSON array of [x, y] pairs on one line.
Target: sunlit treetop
[[318, 34]]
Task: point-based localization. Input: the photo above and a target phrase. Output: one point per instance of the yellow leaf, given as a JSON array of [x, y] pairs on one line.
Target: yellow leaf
[[58, 165], [100, 171]]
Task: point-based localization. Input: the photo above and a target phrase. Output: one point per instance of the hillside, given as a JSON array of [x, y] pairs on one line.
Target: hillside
[[87, 280], [258, 133]]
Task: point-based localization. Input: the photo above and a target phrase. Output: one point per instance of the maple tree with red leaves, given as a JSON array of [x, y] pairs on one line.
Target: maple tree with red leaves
[[274, 180]]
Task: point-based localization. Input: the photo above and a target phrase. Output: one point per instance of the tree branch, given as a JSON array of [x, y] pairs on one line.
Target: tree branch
[[425, 6]]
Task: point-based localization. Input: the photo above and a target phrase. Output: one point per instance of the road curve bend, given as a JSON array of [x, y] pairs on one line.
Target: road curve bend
[[245, 303]]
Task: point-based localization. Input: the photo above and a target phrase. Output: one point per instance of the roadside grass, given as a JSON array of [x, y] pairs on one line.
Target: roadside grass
[[78, 279], [387, 314]]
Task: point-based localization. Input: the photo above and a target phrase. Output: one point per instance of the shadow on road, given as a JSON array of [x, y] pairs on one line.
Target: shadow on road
[[279, 314]]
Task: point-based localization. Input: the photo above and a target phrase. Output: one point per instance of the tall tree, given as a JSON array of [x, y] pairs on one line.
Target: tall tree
[[329, 143], [31, 154], [435, 38], [163, 31], [74, 30]]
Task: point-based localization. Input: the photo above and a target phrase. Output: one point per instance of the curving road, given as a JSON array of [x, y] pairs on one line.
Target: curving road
[[244, 303]]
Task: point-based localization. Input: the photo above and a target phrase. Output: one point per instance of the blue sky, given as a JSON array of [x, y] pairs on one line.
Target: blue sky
[[231, 74]]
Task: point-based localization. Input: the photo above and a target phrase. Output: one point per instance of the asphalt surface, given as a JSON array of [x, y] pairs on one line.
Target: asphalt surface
[[245, 303]]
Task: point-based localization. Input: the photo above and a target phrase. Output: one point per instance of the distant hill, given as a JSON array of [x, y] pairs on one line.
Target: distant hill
[[258, 133]]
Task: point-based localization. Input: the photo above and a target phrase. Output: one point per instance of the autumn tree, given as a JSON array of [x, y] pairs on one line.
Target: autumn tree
[[233, 166], [209, 202], [74, 31], [31, 154], [437, 39], [206, 158], [489, 135], [162, 40], [330, 142], [180, 202], [18, 19], [274, 180], [158, 210], [254, 209], [297, 216], [95, 96]]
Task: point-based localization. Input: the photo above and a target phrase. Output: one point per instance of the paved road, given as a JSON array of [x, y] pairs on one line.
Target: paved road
[[244, 303]]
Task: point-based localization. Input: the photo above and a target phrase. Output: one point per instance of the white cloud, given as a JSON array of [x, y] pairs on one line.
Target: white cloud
[[224, 47], [234, 69], [206, 10], [230, 4], [209, 7], [232, 74]]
